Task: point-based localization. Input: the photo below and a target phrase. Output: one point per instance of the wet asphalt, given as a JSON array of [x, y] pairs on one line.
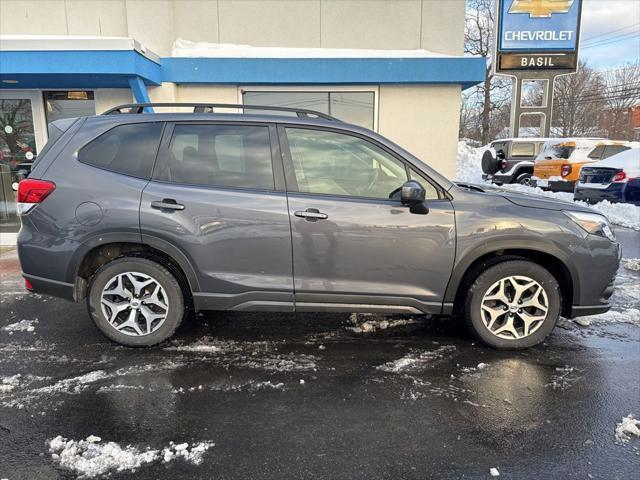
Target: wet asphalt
[[302, 396]]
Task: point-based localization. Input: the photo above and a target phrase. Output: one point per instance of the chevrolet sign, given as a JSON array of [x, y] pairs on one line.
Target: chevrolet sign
[[538, 34]]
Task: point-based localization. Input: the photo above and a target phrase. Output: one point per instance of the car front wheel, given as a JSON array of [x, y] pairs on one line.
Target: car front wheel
[[135, 301], [514, 304]]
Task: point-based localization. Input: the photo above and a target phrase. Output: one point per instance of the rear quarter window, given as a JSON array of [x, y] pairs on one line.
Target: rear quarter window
[[129, 149], [523, 149]]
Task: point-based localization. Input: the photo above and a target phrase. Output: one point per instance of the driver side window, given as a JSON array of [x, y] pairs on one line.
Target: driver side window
[[337, 164]]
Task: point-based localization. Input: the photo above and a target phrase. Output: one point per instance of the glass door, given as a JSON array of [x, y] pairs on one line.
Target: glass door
[[22, 135]]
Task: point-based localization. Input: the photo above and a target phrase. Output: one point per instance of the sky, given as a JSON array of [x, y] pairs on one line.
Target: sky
[[610, 32]]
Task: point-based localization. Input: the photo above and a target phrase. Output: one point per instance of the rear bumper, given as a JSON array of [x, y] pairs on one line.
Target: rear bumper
[[46, 286], [615, 192], [553, 185]]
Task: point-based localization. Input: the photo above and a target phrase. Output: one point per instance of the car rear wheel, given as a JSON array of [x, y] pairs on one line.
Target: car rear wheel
[[524, 179], [514, 304], [135, 301]]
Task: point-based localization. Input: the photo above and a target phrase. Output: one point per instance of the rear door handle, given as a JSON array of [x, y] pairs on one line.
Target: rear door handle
[[167, 204], [311, 214]]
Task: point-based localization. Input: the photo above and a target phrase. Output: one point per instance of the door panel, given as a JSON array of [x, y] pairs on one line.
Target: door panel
[[238, 241], [370, 247]]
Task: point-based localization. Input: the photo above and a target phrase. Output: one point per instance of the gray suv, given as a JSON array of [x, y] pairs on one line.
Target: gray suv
[[148, 216]]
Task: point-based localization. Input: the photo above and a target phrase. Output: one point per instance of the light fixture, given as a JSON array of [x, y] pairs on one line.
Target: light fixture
[[9, 81], [77, 95]]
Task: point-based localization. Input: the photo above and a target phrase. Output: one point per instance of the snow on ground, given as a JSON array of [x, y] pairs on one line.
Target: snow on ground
[[373, 323], [91, 457], [469, 170], [631, 315], [416, 360], [563, 378], [632, 264], [21, 326], [627, 428]]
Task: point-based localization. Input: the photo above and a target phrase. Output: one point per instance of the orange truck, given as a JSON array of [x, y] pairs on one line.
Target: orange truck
[[557, 167]]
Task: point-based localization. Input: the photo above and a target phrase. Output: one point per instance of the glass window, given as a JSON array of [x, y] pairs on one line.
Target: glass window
[[352, 107], [221, 155], [337, 164], [596, 153], [431, 191], [521, 149], [611, 150], [129, 149], [66, 104]]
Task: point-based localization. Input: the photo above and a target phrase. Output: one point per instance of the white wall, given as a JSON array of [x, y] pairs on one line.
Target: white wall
[[388, 24], [424, 121]]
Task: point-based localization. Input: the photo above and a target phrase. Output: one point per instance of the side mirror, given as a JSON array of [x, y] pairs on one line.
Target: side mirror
[[412, 194]]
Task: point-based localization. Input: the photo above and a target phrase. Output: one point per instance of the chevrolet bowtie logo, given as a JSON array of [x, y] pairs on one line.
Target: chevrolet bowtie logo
[[540, 8]]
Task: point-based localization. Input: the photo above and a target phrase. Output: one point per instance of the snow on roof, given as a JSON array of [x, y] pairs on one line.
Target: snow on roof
[[629, 161], [187, 48]]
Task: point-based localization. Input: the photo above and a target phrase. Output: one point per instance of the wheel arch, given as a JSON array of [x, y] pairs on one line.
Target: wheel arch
[[96, 253], [473, 264]]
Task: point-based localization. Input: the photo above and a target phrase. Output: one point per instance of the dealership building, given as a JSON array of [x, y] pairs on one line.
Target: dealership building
[[394, 66]]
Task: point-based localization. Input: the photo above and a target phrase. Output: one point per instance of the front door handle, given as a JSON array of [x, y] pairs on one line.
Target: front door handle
[[311, 214], [167, 204]]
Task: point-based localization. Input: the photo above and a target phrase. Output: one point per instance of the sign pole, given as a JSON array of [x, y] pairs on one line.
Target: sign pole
[[536, 41]]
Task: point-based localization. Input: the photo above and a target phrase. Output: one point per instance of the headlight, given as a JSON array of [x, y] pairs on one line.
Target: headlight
[[592, 223]]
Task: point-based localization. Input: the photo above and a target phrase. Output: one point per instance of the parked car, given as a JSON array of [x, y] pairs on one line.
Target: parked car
[[558, 165], [510, 160], [146, 216], [616, 179]]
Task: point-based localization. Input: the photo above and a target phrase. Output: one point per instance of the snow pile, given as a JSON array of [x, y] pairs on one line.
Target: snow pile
[[92, 457], [632, 264], [468, 166], [8, 384], [21, 326], [374, 324], [631, 315], [627, 428], [469, 370], [416, 360], [279, 362]]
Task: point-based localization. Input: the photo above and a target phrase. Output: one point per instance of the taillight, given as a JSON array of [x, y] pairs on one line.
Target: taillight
[[32, 192], [566, 170], [621, 176]]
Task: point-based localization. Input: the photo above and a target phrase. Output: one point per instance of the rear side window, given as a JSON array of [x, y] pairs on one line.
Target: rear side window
[[596, 153], [519, 149], [611, 150], [220, 155], [128, 149]]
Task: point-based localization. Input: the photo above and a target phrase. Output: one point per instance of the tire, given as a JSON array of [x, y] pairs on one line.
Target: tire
[[524, 179], [159, 305], [489, 162], [499, 334]]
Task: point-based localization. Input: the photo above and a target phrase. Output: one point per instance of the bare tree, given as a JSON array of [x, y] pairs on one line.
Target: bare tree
[[621, 92], [487, 100], [578, 101]]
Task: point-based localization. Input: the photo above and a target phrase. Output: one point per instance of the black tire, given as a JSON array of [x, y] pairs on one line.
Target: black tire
[[168, 282], [524, 179], [489, 162], [481, 286]]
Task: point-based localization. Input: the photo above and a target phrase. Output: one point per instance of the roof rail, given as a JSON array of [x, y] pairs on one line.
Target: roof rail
[[208, 108]]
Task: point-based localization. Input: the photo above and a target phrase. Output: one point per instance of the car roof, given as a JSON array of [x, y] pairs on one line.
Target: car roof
[[522, 139]]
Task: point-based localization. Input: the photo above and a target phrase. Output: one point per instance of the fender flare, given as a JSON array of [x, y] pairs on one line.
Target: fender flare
[[463, 264], [134, 238]]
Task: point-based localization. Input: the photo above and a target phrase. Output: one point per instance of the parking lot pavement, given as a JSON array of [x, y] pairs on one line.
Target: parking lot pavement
[[274, 396]]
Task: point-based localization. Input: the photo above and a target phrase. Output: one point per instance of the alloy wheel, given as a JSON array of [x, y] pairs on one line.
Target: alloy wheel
[[134, 303], [514, 307]]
